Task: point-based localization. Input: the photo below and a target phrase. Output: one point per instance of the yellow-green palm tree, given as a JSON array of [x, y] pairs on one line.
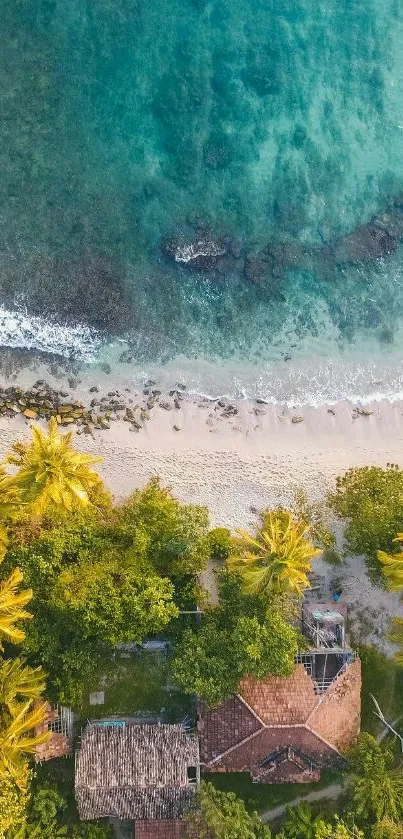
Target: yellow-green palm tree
[[50, 471], [278, 559], [12, 603], [19, 682], [18, 740], [9, 501], [396, 636], [392, 566]]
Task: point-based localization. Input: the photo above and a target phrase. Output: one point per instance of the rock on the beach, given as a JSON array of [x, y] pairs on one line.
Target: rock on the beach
[[203, 252]]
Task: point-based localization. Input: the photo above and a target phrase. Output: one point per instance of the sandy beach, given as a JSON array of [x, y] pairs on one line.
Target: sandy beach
[[253, 458], [239, 457]]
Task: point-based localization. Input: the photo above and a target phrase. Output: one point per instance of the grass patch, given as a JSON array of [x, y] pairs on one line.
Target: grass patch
[[135, 683], [383, 678], [262, 797]]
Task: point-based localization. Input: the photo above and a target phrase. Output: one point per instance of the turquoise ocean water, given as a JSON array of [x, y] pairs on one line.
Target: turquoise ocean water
[[258, 122]]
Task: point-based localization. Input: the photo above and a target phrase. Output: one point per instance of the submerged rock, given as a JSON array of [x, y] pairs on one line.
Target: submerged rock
[[392, 223], [255, 268], [201, 253], [365, 243]]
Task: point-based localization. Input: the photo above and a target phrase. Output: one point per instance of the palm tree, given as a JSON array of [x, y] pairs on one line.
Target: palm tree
[[50, 471], [18, 739], [396, 636], [19, 681], [392, 566], [12, 610], [278, 559], [9, 506], [300, 823]]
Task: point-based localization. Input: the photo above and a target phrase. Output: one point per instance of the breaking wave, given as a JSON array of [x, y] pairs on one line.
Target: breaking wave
[[21, 330]]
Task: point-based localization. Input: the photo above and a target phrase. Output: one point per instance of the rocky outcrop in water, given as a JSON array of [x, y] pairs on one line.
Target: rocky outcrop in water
[[376, 240], [366, 243], [202, 253]]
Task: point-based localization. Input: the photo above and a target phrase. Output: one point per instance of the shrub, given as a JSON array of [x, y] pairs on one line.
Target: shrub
[[370, 500], [220, 543]]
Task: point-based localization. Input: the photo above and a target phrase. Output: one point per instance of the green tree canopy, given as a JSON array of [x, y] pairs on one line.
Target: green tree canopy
[[174, 535], [236, 639], [387, 829], [375, 786], [112, 602], [300, 822], [221, 815], [392, 565], [337, 829], [370, 500], [13, 804], [94, 585]]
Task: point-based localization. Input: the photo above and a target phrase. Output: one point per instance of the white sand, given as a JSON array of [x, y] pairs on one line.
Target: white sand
[[241, 462], [249, 461]]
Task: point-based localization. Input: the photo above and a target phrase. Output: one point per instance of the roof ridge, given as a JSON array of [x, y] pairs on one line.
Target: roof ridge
[[236, 746], [250, 736], [249, 707], [323, 739]]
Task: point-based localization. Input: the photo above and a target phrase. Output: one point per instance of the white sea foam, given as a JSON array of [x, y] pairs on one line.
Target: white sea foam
[[18, 329], [363, 378]]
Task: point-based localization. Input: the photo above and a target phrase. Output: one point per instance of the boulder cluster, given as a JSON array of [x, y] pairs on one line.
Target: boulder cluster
[[42, 402]]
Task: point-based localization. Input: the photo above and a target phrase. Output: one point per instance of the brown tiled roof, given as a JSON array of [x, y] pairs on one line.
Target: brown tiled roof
[[222, 727], [337, 717], [253, 751], [163, 829], [281, 701], [292, 715]]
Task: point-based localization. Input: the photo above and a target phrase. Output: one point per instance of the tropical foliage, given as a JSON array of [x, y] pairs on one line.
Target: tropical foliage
[[396, 636], [50, 472], [21, 708], [387, 829], [173, 535], [221, 815], [370, 500], [238, 638], [300, 822], [13, 803], [97, 575], [375, 785], [392, 566], [12, 608], [278, 558], [19, 682]]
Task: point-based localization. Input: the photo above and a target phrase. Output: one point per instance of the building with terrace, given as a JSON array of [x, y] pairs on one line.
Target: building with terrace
[[289, 729]]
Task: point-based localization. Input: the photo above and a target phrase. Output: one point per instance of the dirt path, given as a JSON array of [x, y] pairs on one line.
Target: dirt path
[[332, 791]]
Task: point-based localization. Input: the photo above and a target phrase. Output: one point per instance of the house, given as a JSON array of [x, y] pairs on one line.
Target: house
[[144, 773], [288, 729]]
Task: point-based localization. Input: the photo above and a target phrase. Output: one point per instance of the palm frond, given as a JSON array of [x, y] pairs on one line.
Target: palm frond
[[278, 559]]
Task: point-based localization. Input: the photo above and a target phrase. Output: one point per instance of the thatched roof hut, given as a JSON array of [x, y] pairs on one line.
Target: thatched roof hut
[[135, 771]]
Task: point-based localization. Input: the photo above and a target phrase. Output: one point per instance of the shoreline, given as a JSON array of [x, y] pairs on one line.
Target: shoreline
[[239, 464], [233, 455]]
